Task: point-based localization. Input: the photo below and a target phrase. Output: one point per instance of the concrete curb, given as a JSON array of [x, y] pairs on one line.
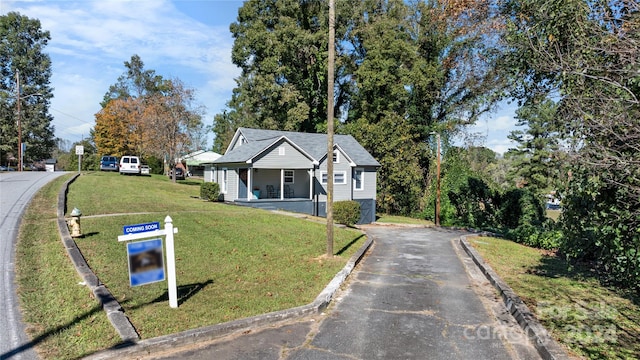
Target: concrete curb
[[546, 346], [208, 333], [109, 304]]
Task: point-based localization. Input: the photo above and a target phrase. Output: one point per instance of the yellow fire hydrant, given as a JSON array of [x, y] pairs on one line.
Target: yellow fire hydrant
[[74, 223]]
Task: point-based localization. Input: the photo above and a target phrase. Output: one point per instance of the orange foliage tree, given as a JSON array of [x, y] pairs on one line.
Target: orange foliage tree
[[112, 132]]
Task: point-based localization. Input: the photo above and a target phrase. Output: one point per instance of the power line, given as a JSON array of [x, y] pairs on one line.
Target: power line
[[71, 116]]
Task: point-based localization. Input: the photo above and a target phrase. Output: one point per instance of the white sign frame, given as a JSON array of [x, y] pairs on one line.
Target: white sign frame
[[168, 231]]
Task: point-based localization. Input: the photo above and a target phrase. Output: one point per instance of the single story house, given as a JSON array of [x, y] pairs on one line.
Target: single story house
[[286, 170], [197, 160]]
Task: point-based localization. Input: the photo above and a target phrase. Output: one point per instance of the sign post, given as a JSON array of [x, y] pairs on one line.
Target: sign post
[[79, 152], [171, 264], [148, 230]]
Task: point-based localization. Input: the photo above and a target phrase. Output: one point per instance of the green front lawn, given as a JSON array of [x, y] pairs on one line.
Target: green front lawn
[[591, 320], [231, 261]]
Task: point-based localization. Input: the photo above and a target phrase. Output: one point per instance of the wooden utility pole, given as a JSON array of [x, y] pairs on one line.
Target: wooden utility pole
[[438, 184], [330, 65]]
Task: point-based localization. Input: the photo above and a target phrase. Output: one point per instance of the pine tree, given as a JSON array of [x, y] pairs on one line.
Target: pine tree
[[23, 62]]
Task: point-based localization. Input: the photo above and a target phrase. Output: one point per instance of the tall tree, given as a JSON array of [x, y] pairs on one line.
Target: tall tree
[[585, 53], [172, 122], [136, 82], [281, 46], [113, 128], [25, 70], [401, 67], [431, 63], [145, 114], [537, 164]]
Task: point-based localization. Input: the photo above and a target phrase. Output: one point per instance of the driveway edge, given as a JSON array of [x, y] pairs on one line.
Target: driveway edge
[[546, 346], [115, 312], [169, 342]]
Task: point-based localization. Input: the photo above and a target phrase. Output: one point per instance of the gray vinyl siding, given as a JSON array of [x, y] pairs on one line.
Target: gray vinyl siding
[[369, 183], [340, 191], [232, 183], [292, 158], [210, 173]]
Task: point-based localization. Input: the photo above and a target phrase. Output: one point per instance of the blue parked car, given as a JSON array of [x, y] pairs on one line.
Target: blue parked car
[[109, 163]]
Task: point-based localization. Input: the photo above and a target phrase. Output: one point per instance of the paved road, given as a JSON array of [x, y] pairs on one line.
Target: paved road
[[415, 296], [16, 190]]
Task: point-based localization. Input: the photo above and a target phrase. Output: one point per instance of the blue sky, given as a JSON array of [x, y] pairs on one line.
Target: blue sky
[[187, 39]]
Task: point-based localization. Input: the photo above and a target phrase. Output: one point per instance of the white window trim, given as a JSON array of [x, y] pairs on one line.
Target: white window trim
[[293, 177], [281, 151], [224, 181], [337, 155], [324, 173], [355, 188]]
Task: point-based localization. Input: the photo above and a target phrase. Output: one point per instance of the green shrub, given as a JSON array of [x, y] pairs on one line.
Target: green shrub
[[473, 201], [156, 164], [600, 226], [519, 207], [536, 236], [209, 191], [346, 212]]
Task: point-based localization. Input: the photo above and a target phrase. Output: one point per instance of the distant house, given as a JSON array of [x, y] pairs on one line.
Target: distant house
[[196, 161], [288, 170], [50, 165]]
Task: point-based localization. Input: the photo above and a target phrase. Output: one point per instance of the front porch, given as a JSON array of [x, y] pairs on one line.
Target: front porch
[[296, 205], [275, 184], [310, 207]]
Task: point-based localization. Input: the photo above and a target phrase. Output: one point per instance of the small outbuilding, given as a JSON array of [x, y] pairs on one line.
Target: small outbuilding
[[50, 165]]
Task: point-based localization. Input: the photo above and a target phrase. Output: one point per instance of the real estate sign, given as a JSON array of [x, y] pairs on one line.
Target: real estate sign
[[146, 262], [146, 258]]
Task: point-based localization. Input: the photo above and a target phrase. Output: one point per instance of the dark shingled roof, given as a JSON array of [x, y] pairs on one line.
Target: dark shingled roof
[[315, 145]]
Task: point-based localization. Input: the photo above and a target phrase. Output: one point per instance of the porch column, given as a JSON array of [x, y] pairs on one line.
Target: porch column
[[310, 171], [281, 184], [249, 184]]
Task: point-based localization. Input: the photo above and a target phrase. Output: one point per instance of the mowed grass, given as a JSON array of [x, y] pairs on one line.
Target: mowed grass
[[394, 219], [231, 261], [64, 321], [591, 320]]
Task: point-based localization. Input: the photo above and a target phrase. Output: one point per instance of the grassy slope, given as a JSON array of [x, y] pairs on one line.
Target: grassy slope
[[231, 262], [591, 320], [64, 321]]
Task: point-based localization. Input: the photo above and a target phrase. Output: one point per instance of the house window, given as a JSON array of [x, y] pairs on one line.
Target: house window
[[224, 181], [336, 156], [358, 179], [281, 151], [339, 177], [288, 176]]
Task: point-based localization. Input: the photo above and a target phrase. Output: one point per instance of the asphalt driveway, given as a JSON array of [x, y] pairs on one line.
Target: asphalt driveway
[[414, 296]]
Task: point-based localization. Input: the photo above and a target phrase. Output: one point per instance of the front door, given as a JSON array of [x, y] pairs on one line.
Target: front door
[[242, 183]]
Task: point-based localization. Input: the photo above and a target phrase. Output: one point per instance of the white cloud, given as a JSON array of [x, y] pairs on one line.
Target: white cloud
[[492, 130], [504, 122], [501, 146], [91, 40]]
